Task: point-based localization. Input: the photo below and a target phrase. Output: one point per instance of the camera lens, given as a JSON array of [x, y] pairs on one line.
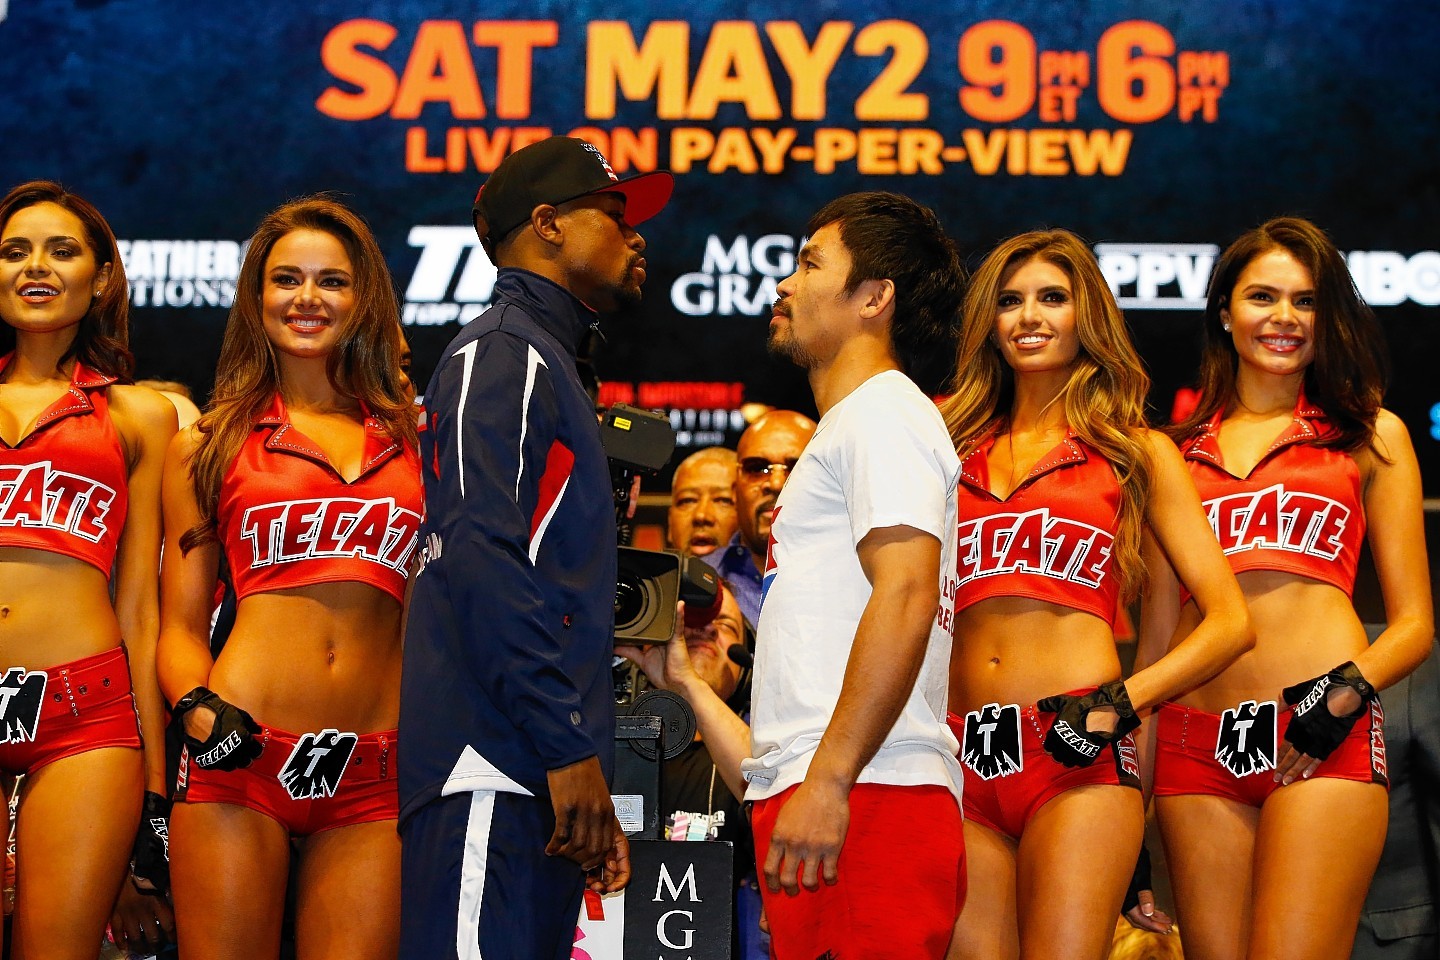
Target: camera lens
[[631, 602], [645, 592]]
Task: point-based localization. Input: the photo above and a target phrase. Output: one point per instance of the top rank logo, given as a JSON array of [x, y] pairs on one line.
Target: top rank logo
[[1279, 519], [1034, 542], [36, 495], [294, 530], [452, 280]]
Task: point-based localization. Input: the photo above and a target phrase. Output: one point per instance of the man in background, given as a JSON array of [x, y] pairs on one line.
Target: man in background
[[702, 502], [768, 450]]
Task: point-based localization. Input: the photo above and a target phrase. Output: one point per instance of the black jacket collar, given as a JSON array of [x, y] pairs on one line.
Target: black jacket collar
[[557, 311]]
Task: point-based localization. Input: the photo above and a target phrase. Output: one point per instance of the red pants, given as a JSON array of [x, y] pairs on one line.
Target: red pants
[[1189, 748], [1008, 774], [66, 710], [902, 879], [304, 781]]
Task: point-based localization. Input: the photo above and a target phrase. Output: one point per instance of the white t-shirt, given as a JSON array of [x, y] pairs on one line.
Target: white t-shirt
[[881, 457]]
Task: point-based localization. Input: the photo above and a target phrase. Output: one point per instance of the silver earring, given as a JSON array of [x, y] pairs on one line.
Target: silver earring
[[1226, 326]]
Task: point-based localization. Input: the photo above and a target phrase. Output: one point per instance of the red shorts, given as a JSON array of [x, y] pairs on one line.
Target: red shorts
[[47, 715], [1233, 755], [305, 782], [902, 879], [1008, 774]]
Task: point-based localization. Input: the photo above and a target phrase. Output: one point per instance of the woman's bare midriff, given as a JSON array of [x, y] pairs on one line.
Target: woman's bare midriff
[[1018, 650], [1302, 629], [53, 609], [326, 655]]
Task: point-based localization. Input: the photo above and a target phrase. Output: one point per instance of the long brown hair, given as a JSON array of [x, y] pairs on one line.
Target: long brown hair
[[365, 363], [1104, 398], [1347, 377], [102, 341]]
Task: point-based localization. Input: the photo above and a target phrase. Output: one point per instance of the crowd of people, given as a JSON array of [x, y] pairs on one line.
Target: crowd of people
[[936, 748]]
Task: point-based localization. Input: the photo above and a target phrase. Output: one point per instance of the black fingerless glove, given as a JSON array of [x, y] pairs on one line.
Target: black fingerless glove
[[150, 859], [1140, 880], [1314, 730], [1068, 741], [231, 744]]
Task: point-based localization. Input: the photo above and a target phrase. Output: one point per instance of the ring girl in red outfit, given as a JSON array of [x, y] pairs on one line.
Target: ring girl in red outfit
[[1059, 475], [1272, 774], [80, 464], [301, 481]]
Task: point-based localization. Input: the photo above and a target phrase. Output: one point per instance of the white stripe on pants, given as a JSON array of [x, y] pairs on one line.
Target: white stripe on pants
[[472, 874]]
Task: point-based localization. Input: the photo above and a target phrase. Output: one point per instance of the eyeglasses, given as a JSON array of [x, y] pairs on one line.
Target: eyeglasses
[[756, 467]]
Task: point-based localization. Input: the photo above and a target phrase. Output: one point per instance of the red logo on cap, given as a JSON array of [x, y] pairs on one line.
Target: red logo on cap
[[603, 162]]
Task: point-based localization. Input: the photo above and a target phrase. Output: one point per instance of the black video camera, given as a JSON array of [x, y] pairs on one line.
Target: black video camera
[[637, 443], [649, 582]]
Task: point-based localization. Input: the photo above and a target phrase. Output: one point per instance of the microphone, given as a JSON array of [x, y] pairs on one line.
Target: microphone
[[740, 656]]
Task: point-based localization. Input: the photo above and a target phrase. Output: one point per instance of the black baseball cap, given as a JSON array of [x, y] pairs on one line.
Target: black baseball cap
[[557, 170]]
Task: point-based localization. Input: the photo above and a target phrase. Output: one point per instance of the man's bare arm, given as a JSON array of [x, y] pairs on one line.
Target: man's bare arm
[[903, 567]]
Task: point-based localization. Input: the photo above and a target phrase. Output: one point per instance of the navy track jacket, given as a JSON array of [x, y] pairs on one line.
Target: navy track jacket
[[509, 637]]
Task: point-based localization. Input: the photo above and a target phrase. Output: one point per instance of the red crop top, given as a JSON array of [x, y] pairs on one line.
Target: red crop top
[[65, 487], [287, 519], [1051, 540], [1299, 511]]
